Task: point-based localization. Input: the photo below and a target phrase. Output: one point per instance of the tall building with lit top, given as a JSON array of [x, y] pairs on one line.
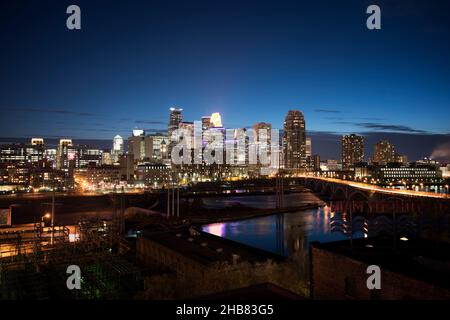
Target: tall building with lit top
[[37, 142], [118, 144], [175, 118], [294, 142], [64, 153], [352, 150], [117, 149], [216, 120], [206, 123]]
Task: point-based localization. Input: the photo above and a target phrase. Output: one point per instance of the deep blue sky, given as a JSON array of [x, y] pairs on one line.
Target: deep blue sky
[[250, 60]]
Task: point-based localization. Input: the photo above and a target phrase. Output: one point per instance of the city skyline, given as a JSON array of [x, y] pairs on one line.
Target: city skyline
[[209, 150], [326, 144], [391, 84]]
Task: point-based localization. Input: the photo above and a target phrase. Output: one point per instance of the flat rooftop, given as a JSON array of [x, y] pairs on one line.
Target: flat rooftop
[[416, 258], [206, 249]]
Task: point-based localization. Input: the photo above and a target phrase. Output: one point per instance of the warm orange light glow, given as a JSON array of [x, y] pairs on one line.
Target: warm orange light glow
[[370, 187], [216, 120]]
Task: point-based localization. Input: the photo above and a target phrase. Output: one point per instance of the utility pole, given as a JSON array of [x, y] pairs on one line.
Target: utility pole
[[168, 200], [173, 198], [178, 201], [279, 184], [52, 241]]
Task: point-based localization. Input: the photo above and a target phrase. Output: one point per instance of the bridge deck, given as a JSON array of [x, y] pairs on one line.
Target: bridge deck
[[372, 188]]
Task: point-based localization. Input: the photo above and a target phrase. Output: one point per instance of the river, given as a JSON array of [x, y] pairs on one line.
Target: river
[[285, 234]]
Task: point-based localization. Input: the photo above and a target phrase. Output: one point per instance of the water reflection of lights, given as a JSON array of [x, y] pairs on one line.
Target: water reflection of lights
[[217, 229], [327, 215]]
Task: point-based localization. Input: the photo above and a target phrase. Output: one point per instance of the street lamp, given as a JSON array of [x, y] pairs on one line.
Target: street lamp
[[46, 216]]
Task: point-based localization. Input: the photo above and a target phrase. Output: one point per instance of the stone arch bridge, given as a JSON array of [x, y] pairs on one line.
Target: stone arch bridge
[[358, 197]]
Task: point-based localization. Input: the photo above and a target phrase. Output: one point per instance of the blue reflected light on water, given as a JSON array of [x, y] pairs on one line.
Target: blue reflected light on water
[[284, 234]]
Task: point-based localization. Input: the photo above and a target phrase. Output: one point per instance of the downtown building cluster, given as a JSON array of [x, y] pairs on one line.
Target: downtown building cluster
[[384, 167], [148, 160]]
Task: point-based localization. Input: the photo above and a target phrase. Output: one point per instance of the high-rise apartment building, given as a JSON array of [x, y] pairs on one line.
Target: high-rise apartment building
[[352, 150], [294, 140], [384, 152], [65, 153]]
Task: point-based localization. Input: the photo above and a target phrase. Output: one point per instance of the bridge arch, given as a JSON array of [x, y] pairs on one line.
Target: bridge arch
[[358, 195], [339, 194], [327, 189]]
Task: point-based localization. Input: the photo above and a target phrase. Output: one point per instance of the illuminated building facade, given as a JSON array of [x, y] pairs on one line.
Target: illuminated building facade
[[384, 153], [352, 150], [117, 149], [65, 152], [159, 147], [294, 141], [413, 173], [37, 142], [155, 175], [141, 147], [216, 120], [175, 117]]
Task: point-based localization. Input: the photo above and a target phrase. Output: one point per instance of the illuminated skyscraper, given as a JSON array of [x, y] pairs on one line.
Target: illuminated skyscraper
[[384, 152], [294, 140], [37, 142], [216, 120], [352, 150], [206, 123], [262, 136], [63, 155], [117, 148], [138, 132], [188, 129], [175, 118]]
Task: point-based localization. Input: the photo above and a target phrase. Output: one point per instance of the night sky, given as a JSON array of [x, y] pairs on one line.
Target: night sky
[[249, 60]]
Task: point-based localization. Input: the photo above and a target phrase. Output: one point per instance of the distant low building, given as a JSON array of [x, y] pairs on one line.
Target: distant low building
[[153, 174], [98, 175], [411, 173]]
